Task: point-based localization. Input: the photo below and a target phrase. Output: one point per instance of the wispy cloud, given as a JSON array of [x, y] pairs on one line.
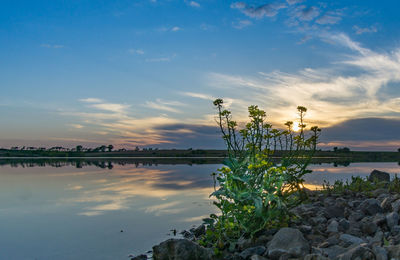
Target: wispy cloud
[[193, 4], [269, 10], [324, 90], [329, 19], [241, 24], [169, 106], [112, 107], [361, 30], [198, 95], [77, 126], [136, 51], [91, 100]]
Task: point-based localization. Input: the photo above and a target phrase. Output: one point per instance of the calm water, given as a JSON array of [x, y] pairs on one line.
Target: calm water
[[78, 213]]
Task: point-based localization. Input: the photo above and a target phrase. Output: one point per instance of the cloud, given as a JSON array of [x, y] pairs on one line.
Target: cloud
[[360, 30], [77, 126], [269, 10], [52, 46], [112, 107], [136, 51], [91, 100], [193, 4], [355, 86], [305, 13], [170, 29], [241, 24], [169, 106], [328, 19], [176, 28], [198, 95], [293, 2]]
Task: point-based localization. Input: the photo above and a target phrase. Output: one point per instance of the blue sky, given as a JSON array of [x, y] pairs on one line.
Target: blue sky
[[145, 72]]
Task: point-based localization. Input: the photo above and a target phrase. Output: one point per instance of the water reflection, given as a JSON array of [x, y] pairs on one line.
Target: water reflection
[[76, 209]]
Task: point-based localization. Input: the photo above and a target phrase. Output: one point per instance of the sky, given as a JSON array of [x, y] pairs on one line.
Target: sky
[[144, 72]]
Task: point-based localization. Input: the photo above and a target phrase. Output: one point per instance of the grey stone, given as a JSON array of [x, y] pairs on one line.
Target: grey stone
[[333, 251], [333, 227], [315, 257], [288, 241], [380, 253], [368, 227], [379, 176], [392, 219], [361, 252], [371, 206], [396, 206], [305, 229], [180, 249], [334, 211], [393, 251], [257, 257], [247, 253], [386, 205], [344, 224], [350, 240], [199, 231]]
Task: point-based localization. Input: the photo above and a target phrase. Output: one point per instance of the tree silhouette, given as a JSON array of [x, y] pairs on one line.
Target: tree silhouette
[[79, 148], [110, 147]]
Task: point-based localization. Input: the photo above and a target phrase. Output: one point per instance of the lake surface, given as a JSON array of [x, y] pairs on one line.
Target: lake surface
[[78, 211]]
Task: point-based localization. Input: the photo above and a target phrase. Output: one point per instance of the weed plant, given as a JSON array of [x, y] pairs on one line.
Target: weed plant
[[256, 190]]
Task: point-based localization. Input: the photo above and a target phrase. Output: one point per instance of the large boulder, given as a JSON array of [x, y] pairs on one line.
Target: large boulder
[[180, 249], [379, 176], [288, 241]]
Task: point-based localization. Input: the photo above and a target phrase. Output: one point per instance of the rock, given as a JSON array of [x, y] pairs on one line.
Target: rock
[[199, 231], [333, 227], [395, 230], [368, 227], [244, 243], [396, 206], [386, 205], [361, 252], [315, 257], [288, 241], [139, 257], [392, 219], [350, 240], [344, 225], [334, 212], [186, 234], [180, 249], [371, 206], [379, 219], [258, 250], [333, 251], [380, 253], [377, 239], [305, 229], [356, 216], [393, 251], [318, 220], [379, 176], [257, 257]]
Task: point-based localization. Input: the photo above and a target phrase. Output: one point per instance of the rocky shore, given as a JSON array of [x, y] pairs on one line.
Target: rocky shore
[[350, 225]]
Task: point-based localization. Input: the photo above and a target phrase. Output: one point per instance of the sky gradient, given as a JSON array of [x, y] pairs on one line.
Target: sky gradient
[[144, 73]]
